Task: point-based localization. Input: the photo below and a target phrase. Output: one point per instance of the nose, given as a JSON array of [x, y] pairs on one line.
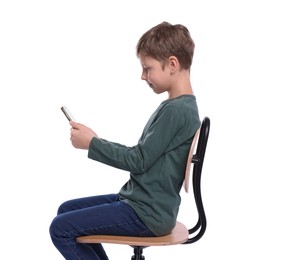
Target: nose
[[143, 76]]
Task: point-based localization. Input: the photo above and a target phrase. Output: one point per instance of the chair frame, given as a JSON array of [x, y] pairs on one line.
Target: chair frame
[[198, 160], [180, 234]]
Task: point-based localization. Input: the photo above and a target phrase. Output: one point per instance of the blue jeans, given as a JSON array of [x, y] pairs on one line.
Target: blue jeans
[[96, 215]]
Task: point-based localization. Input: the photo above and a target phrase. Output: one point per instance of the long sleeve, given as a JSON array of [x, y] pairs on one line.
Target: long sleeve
[[156, 137]]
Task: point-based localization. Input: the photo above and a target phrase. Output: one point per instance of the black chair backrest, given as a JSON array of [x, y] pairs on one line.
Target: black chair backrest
[[197, 160]]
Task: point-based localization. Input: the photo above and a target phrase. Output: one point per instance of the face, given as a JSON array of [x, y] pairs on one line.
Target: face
[[154, 74]]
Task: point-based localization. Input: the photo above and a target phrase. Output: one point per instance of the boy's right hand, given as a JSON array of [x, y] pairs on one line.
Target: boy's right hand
[[81, 135]]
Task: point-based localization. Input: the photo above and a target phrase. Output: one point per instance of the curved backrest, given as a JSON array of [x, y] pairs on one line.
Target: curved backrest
[[189, 160], [197, 159]]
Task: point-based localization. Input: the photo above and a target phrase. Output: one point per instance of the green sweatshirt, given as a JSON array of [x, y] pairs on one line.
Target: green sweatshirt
[[156, 164]]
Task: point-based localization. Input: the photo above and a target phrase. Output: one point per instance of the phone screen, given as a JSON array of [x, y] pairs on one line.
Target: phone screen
[[67, 113]]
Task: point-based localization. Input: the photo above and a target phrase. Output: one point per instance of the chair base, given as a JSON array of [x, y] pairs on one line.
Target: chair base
[[138, 253]]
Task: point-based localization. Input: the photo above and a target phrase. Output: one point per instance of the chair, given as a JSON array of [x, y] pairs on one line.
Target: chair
[[180, 234]]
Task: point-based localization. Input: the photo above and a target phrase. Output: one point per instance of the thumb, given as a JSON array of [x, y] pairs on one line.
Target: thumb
[[74, 124]]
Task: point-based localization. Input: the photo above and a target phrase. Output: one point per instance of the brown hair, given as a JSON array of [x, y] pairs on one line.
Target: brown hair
[[165, 40]]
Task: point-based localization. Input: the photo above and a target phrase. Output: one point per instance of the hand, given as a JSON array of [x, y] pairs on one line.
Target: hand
[[81, 135]]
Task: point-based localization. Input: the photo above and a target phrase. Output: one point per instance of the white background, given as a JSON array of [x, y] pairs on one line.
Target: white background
[[82, 54]]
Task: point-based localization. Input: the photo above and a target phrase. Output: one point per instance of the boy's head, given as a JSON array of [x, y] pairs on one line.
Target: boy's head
[[165, 40]]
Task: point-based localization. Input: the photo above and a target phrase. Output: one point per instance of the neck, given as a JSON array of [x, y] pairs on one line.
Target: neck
[[185, 89]]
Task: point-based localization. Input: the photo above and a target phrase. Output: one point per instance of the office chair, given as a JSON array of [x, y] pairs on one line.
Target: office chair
[[180, 234]]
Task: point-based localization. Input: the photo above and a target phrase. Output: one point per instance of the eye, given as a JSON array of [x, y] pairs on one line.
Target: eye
[[146, 69]]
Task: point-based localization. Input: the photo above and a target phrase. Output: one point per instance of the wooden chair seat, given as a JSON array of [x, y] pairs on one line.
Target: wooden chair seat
[[177, 236]]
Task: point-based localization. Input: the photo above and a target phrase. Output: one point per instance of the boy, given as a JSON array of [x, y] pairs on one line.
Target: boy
[[148, 204]]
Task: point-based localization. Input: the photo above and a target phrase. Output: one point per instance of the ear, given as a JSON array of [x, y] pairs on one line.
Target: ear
[[173, 63]]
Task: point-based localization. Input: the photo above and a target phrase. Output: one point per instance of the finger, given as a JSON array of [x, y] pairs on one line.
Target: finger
[[74, 124]]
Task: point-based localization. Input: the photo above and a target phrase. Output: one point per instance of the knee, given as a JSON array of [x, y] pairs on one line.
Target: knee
[[54, 228], [64, 207], [57, 228]]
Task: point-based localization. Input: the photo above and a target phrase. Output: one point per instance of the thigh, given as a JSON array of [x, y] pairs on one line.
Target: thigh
[[86, 202], [115, 218]]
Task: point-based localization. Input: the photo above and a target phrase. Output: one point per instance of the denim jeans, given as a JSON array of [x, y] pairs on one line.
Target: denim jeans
[[104, 214]]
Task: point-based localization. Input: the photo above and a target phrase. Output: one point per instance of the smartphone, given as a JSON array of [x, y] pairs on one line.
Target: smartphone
[[68, 114]]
